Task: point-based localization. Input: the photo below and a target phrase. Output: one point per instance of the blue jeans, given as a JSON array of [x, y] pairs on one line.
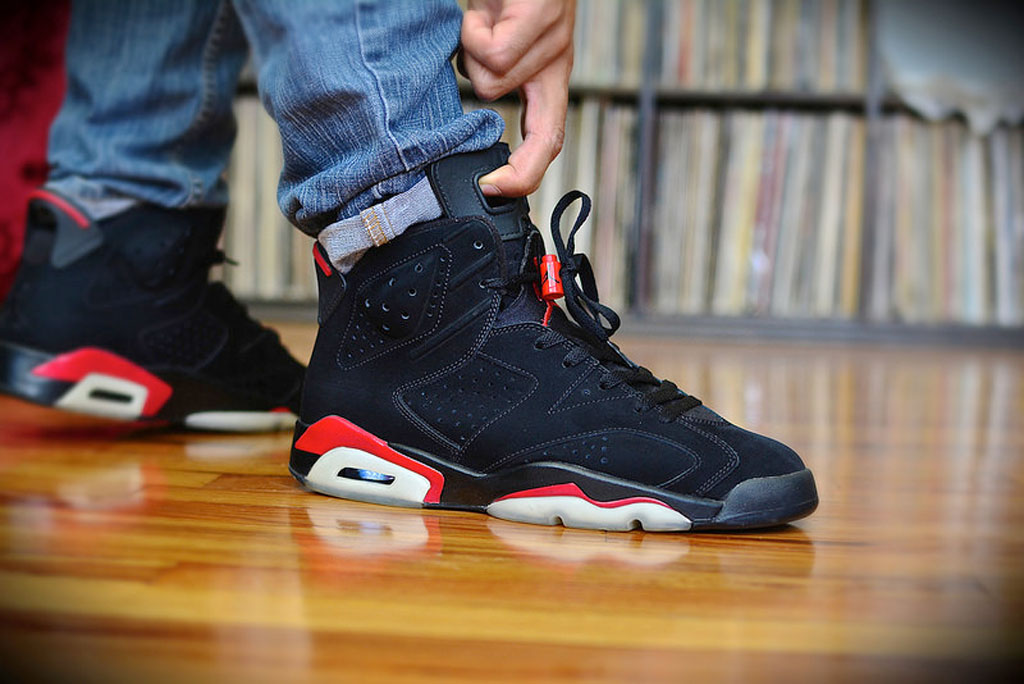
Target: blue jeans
[[362, 91]]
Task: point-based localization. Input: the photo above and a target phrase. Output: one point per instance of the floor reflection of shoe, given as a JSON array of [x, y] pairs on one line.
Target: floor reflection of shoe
[[358, 530], [118, 318], [443, 375]]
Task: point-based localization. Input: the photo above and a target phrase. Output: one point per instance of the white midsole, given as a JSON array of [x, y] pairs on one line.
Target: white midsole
[[410, 489], [407, 489], [80, 399], [573, 511], [241, 421]]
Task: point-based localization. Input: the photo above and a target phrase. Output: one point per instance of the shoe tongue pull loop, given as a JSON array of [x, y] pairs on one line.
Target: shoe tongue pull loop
[[582, 300]]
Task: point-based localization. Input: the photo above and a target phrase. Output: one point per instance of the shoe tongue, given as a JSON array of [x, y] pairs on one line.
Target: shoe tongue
[[455, 183]]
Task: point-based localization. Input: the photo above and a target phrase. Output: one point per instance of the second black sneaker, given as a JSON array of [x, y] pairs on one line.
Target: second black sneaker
[[444, 375], [118, 318]]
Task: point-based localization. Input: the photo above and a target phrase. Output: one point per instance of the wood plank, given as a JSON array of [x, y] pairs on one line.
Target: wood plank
[[149, 554]]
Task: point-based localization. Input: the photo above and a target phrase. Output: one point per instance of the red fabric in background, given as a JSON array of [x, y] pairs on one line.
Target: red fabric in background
[[32, 80]]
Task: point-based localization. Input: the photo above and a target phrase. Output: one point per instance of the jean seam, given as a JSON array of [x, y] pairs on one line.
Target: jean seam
[[380, 91], [208, 92]]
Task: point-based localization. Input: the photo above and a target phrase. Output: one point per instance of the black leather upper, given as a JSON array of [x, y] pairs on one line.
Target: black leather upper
[[136, 284], [456, 369]]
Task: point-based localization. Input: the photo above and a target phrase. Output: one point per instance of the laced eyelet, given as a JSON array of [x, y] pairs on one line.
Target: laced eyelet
[[538, 346], [566, 363]]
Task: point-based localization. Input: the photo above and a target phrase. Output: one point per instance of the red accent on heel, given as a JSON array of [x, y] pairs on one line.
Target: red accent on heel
[[321, 261], [75, 365], [332, 432], [61, 204]]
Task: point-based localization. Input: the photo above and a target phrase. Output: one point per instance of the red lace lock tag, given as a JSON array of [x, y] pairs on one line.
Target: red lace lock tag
[[550, 281]]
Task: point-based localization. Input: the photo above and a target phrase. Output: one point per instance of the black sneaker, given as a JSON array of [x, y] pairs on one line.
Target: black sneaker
[[444, 377], [118, 318]]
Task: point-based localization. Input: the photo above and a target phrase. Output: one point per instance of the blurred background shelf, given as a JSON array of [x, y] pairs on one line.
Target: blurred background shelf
[[752, 176]]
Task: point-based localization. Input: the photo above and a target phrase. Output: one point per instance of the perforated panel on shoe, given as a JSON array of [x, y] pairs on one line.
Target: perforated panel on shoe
[[462, 403], [395, 306], [188, 342], [632, 455], [589, 390]]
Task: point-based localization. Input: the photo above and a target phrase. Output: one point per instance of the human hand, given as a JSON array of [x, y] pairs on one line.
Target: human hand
[[524, 44]]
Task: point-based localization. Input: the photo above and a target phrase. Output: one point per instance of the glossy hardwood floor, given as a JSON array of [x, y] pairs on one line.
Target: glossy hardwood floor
[[149, 555]]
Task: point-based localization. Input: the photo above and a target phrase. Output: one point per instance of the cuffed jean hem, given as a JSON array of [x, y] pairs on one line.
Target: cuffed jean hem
[[95, 199], [378, 224]]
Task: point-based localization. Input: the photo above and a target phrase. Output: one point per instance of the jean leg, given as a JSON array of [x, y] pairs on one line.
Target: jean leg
[[364, 95], [147, 113]]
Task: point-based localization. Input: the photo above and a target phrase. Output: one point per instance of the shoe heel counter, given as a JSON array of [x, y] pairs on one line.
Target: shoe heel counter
[[55, 220], [331, 285]]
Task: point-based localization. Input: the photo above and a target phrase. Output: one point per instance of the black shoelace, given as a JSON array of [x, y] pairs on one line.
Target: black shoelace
[[595, 322]]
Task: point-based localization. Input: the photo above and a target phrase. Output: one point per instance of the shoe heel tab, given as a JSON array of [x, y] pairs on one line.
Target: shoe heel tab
[[75, 234], [330, 283]]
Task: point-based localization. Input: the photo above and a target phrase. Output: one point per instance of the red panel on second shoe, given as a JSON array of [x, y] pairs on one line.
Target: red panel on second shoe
[[334, 431], [571, 489], [75, 365]]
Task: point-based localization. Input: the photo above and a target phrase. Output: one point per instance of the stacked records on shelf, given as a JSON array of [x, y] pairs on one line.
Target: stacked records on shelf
[[273, 260]]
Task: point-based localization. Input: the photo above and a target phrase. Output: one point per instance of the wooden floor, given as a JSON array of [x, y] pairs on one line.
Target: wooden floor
[[145, 556]]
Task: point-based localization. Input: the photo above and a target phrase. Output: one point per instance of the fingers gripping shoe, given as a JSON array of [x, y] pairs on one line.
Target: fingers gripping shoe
[[118, 318], [444, 376]]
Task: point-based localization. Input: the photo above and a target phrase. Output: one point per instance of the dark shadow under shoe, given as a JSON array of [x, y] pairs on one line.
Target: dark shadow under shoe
[[444, 375], [118, 318]]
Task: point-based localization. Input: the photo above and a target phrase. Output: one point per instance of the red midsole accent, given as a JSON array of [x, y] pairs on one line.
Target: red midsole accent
[[334, 431], [61, 204], [571, 489], [74, 365]]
